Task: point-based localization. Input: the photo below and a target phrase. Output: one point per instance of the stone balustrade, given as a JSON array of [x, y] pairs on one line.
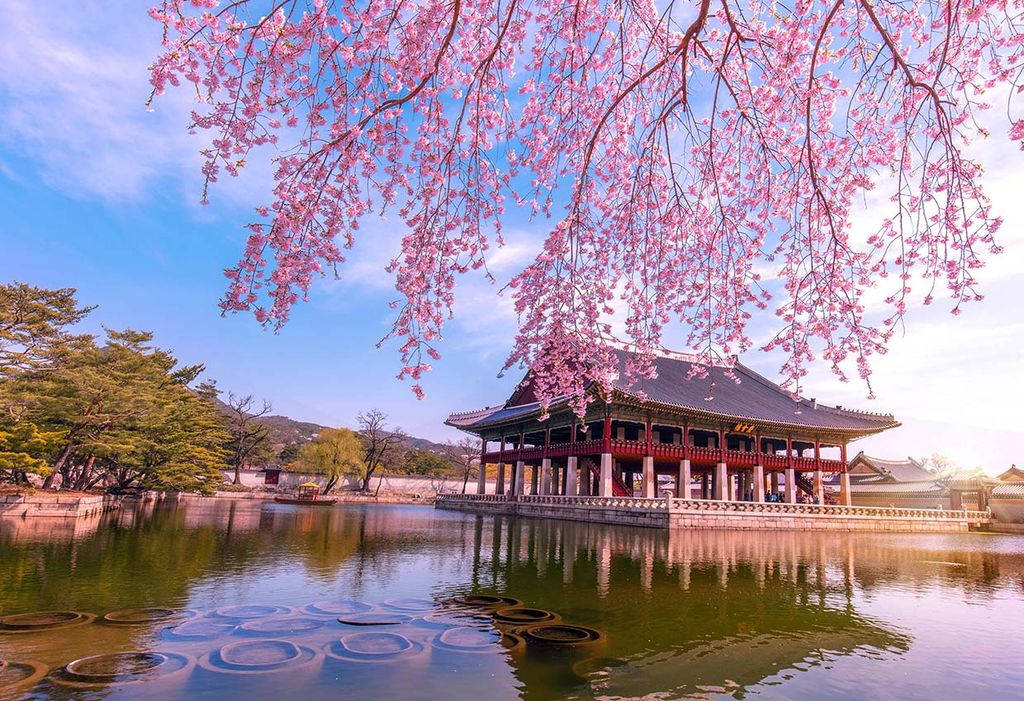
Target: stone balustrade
[[608, 502], [471, 497], [713, 514], [827, 510]]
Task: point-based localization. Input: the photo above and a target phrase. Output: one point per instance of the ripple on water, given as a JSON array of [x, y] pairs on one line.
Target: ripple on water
[[337, 607], [112, 669], [259, 657], [43, 620], [373, 646]]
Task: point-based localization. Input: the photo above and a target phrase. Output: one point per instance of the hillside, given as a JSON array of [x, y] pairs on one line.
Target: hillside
[[287, 431]]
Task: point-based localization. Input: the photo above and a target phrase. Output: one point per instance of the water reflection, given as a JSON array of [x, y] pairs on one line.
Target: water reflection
[[687, 614]]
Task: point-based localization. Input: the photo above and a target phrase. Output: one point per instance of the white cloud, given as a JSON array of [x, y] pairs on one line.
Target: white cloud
[[72, 99]]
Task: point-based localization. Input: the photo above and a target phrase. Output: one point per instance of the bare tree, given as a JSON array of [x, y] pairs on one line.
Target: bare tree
[[247, 434], [464, 454], [380, 443]]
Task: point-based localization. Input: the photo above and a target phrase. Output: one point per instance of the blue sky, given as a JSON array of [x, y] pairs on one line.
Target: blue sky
[[101, 195]]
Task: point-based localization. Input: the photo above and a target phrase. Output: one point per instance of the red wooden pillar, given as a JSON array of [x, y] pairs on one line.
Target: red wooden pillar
[[572, 439], [686, 440], [649, 437], [547, 440], [817, 455], [842, 455], [607, 444], [721, 445], [789, 451]]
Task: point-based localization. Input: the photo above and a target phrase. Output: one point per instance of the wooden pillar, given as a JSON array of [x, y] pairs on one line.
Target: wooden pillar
[[721, 481], [517, 488], [649, 478], [546, 486], [845, 498], [605, 484], [572, 485], [683, 480], [819, 486], [790, 485], [481, 476], [758, 482]]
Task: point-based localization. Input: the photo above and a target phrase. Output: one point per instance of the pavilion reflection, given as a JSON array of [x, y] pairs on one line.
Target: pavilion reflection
[[688, 613]]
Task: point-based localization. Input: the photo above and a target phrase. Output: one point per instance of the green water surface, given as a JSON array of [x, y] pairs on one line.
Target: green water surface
[[710, 614]]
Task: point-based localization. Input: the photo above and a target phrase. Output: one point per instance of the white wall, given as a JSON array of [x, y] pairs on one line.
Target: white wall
[[392, 484]]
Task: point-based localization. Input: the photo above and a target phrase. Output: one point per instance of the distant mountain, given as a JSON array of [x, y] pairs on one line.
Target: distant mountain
[[286, 431]]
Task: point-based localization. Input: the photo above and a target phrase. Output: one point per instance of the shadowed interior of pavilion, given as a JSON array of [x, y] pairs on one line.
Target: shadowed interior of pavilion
[[730, 434]]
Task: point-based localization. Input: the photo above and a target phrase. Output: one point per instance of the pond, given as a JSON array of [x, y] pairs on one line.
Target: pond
[[243, 599]]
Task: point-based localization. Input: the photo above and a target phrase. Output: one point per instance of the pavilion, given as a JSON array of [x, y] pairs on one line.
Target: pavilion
[[730, 434], [908, 484]]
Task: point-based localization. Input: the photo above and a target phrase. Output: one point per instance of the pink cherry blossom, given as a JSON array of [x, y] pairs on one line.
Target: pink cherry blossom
[[702, 162]]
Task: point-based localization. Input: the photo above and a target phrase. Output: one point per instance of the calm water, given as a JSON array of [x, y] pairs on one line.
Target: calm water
[[687, 615]]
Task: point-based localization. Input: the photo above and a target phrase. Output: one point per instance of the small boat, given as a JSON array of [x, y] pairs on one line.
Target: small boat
[[307, 494]]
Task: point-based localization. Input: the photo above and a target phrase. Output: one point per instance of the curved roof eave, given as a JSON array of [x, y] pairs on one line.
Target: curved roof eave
[[483, 423]]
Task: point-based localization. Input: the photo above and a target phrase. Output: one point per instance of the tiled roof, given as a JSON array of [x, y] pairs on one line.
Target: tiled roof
[[745, 395], [492, 415], [928, 488], [753, 397], [1009, 491], [1014, 474], [908, 470]]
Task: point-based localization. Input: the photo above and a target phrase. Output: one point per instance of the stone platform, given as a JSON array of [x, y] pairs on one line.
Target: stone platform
[[710, 514], [56, 505]]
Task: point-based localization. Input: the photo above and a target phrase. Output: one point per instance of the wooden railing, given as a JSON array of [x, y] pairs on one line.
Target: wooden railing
[[738, 458]]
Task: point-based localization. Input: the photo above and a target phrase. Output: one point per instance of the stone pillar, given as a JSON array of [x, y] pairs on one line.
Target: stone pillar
[[775, 483], [790, 485], [481, 478], [721, 482], [535, 480], [683, 481], [572, 487], [545, 476], [819, 487], [499, 486], [705, 488], [845, 498], [517, 488], [758, 482], [604, 488], [650, 482]]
